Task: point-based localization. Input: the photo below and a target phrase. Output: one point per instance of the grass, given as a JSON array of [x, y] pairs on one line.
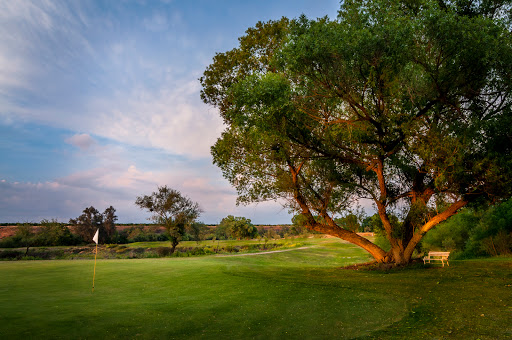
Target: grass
[[219, 243], [152, 249], [301, 293]]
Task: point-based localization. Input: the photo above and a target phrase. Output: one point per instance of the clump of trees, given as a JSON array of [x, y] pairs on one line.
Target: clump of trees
[[405, 103], [85, 225], [236, 228], [172, 210]]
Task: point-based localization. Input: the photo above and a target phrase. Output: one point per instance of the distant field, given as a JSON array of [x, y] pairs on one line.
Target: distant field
[[294, 294]]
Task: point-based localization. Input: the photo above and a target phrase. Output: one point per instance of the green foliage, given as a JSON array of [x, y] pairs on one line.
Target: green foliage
[[140, 234], [198, 231], [474, 232], [238, 227], [453, 234], [163, 251], [85, 225], [221, 232], [493, 234], [172, 210], [406, 103], [372, 223], [299, 225], [54, 233], [26, 236], [352, 220]]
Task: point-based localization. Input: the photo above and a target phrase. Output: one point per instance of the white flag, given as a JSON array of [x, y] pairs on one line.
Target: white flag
[[95, 238]]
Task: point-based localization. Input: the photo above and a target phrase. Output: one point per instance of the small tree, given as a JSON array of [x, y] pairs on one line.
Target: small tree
[[26, 236], [198, 231], [87, 223], [54, 233], [349, 222], [109, 223], [298, 225], [172, 210]]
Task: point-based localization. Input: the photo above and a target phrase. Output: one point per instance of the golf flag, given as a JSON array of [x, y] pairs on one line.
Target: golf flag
[[95, 238]]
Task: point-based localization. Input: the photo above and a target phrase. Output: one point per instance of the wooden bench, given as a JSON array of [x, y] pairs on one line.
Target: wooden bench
[[437, 256]]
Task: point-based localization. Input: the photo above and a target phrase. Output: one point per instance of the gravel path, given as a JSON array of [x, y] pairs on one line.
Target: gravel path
[[265, 252]]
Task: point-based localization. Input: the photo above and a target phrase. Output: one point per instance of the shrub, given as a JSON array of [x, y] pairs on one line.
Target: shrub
[[10, 254], [474, 233], [452, 234], [10, 242], [163, 251]]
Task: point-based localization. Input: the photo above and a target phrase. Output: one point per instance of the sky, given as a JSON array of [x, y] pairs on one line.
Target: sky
[[99, 104]]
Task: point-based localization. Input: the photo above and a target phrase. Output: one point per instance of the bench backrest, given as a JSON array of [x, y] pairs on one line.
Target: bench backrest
[[439, 253]]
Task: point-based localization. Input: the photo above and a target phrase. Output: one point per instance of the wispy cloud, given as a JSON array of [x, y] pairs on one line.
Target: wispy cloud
[[66, 197], [115, 84], [172, 119], [128, 95]]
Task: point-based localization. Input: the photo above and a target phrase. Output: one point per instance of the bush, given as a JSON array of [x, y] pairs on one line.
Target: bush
[[473, 233], [163, 251], [452, 234], [10, 242], [493, 234], [121, 250], [11, 254], [382, 241]]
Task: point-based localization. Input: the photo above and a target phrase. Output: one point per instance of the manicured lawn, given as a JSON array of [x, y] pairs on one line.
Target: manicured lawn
[[294, 294]]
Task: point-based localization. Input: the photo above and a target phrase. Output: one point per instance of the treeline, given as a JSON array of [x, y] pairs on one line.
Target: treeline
[[230, 228], [53, 233], [80, 231]]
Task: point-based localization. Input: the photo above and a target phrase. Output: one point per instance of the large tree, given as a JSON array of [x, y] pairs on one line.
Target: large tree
[[172, 210], [404, 103]]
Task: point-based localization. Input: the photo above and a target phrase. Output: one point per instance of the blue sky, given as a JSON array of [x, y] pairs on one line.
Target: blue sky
[[99, 103]]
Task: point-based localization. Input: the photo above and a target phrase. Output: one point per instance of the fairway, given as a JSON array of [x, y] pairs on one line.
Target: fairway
[[301, 293]]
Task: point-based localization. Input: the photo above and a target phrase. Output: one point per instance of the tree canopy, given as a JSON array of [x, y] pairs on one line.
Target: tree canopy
[[404, 103], [238, 227]]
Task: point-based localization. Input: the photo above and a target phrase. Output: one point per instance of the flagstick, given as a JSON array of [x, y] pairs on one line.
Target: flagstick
[[94, 275]]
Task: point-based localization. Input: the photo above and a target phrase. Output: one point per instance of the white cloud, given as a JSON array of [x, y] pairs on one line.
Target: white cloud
[[82, 141], [172, 119]]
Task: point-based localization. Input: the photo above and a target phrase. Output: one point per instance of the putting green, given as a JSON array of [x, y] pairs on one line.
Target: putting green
[[299, 294]]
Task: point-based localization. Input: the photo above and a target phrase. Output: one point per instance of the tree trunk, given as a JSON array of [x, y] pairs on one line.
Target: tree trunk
[[399, 256], [174, 243]]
